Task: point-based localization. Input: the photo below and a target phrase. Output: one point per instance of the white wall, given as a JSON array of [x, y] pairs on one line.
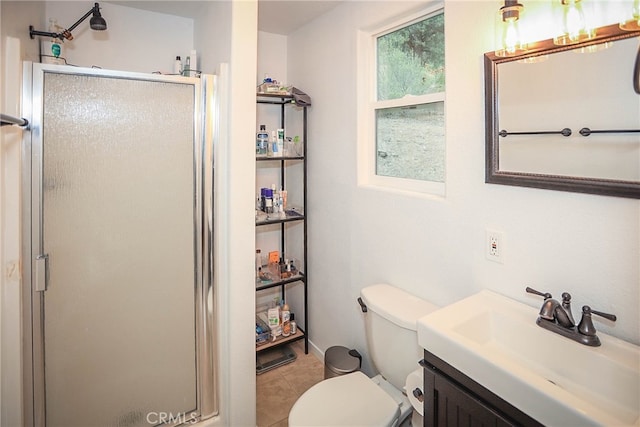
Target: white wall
[[238, 345], [136, 40], [14, 24], [211, 35], [554, 241], [148, 47]]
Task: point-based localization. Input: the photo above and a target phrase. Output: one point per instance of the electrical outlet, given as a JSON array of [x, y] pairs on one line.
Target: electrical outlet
[[494, 246]]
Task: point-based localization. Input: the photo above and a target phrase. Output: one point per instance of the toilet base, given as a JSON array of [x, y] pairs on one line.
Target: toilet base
[[403, 402], [417, 420]]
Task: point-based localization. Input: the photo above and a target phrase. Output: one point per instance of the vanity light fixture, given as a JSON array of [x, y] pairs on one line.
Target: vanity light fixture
[[508, 29], [633, 23], [96, 23], [574, 26]]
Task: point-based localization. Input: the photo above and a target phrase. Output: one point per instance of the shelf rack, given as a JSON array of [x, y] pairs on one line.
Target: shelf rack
[[291, 216]]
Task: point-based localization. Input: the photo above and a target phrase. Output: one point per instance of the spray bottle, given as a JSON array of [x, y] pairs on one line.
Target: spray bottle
[[52, 49]]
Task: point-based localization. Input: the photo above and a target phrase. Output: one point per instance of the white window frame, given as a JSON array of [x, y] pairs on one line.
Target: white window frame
[[368, 104]]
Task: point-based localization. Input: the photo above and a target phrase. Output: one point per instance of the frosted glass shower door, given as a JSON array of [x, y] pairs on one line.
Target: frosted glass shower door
[[119, 224]]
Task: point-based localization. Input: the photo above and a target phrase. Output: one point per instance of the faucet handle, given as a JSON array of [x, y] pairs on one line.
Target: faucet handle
[[586, 324], [608, 316], [546, 295], [566, 304]]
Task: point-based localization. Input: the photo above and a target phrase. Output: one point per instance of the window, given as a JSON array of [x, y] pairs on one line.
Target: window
[[404, 106]]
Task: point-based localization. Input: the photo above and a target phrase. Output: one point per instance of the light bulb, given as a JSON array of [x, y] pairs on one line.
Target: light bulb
[[508, 31], [633, 23], [573, 22], [574, 27], [511, 42]]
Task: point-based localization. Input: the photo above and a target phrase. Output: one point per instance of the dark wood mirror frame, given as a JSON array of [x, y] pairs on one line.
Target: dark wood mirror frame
[[493, 175], [636, 73]]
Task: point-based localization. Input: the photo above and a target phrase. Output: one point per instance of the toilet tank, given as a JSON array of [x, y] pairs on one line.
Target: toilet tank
[[390, 326]]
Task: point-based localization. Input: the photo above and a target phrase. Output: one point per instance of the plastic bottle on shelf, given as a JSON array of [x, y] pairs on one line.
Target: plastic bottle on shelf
[[52, 50], [193, 64], [262, 140], [292, 321], [177, 65], [187, 67], [286, 320], [273, 317], [268, 201], [273, 146], [263, 200], [258, 262], [280, 142]]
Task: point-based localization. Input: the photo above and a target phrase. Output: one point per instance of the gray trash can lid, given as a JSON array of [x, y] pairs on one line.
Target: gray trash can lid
[[338, 360]]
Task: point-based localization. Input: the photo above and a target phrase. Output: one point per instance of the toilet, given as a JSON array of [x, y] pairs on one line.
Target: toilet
[[356, 400]]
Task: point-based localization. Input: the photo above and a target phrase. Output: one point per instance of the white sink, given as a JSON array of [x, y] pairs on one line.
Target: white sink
[[559, 382]]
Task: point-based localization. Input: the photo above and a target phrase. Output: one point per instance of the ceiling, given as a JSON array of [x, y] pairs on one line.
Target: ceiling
[[274, 16], [284, 17]]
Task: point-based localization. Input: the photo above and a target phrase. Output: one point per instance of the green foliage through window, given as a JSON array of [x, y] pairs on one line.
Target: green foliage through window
[[411, 60]]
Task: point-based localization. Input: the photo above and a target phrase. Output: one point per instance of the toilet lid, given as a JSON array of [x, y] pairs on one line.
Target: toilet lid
[[347, 400]]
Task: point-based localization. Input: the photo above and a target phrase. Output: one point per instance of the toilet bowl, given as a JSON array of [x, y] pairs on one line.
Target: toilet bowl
[[355, 399], [349, 400]]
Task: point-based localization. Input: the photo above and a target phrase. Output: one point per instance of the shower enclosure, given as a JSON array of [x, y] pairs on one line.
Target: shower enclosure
[[117, 248]]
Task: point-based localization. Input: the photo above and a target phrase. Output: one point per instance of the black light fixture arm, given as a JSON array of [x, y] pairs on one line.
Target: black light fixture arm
[[33, 33], [66, 34]]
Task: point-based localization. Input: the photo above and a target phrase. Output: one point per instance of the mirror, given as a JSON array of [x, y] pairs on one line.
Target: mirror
[[566, 117]]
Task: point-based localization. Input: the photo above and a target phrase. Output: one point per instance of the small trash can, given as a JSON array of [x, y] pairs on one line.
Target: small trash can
[[340, 360]]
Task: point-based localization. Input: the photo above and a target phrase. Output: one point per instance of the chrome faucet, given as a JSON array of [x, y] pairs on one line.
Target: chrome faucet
[[556, 317]]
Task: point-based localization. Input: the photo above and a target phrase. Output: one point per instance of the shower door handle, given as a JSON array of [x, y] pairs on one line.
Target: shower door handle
[[41, 270]]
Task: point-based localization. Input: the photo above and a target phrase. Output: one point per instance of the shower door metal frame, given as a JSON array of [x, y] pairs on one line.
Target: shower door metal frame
[[206, 104]]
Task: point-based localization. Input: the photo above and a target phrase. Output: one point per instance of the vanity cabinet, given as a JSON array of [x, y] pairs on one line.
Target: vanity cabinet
[[453, 399], [285, 232]]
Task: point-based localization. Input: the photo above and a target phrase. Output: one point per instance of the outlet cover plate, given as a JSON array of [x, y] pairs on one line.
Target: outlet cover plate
[[494, 246]]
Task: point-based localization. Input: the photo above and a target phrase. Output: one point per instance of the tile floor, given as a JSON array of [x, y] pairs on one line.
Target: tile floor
[[278, 389]]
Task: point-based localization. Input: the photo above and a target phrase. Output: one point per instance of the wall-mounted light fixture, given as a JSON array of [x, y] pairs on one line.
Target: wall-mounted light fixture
[[508, 29], [633, 22], [574, 25], [97, 23]]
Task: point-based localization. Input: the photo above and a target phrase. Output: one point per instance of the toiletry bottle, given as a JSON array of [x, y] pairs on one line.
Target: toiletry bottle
[[263, 200], [52, 49], [284, 199], [276, 202], [274, 144], [286, 320], [280, 140], [193, 63], [268, 201], [258, 262], [292, 321], [273, 315], [187, 67], [177, 66], [281, 205], [262, 140]]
